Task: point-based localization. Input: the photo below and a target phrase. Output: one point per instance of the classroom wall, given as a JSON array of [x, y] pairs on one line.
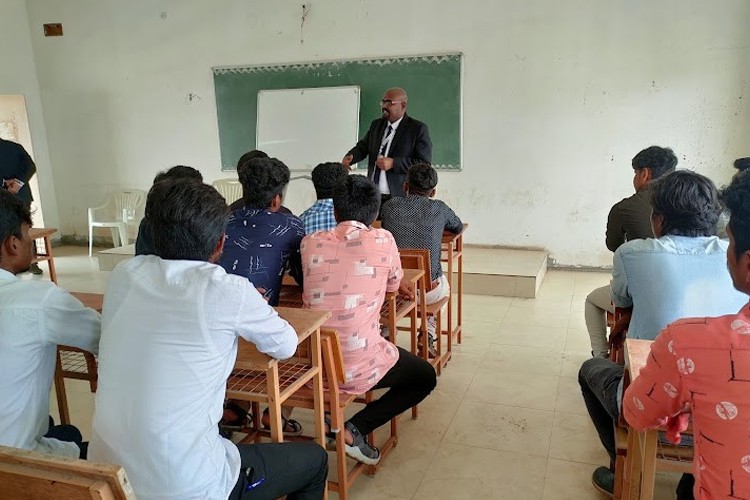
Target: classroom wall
[[558, 96], [18, 77]]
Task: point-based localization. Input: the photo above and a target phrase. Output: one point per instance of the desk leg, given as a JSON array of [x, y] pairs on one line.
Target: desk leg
[[50, 260], [633, 467], [318, 401], [62, 400], [649, 440], [274, 405], [460, 293], [450, 299]]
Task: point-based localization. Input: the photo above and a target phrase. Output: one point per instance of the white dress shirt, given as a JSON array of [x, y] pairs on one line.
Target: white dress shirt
[[36, 316], [169, 341], [383, 180]]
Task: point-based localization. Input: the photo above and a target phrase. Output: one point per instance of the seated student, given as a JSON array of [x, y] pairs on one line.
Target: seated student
[[628, 220], [741, 164], [35, 316], [682, 272], [319, 217], [244, 159], [347, 271], [144, 242], [169, 341], [418, 221], [703, 364], [261, 241]]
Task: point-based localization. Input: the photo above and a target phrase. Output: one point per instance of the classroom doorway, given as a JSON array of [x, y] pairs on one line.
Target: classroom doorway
[[14, 126]]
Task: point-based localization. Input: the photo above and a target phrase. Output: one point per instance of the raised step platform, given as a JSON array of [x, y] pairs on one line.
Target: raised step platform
[[503, 271], [109, 258]]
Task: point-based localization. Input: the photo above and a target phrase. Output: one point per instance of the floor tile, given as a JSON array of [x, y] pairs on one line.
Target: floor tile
[[513, 389], [574, 439], [518, 359]]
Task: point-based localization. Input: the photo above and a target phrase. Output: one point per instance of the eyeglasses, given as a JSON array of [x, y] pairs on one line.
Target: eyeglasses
[[389, 102]]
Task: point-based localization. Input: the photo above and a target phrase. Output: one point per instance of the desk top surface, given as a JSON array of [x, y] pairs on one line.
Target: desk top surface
[[41, 232], [448, 236], [636, 355]]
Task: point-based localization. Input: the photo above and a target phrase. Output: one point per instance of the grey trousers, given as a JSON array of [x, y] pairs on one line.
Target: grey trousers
[[598, 303]]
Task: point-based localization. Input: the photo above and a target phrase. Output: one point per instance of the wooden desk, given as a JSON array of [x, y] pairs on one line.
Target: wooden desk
[[258, 378], [453, 251], [640, 465], [44, 233]]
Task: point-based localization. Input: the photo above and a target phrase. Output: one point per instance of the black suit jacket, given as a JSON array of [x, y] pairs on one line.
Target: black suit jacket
[[411, 144], [15, 163]]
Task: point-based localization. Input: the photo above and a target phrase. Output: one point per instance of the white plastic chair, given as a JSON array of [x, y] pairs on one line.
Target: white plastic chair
[[122, 209], [230, 189]]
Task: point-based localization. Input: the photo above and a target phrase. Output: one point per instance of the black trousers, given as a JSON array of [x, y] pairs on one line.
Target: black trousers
[[68, 434], [297, 470], [410, 380], [599, 378]]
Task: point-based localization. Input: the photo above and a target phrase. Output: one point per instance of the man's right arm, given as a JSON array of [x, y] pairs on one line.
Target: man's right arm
[[619, 284], [259, 323], [615, 228], [360, 150]]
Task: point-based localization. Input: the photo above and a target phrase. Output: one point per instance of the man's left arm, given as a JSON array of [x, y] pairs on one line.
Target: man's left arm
[[295, 259], [421, 153], [656, 397], [452, 223], [619, 284], [28, 167]]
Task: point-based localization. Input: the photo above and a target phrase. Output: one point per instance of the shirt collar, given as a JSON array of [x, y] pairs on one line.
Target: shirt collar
[[395, 124], [325, 202], [7, 276], [353, 224]]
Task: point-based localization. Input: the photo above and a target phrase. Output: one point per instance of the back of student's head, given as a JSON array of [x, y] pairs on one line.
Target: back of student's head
[[187, 219], [325, 177], [356, 198], [262, 179], [179, 172], [659, 160], [742, 164], [422, 178], [688, 203], [737, 200], [255, 153], [13, 213]]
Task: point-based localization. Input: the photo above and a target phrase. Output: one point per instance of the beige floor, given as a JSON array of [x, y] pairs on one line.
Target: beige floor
[[506, 421]]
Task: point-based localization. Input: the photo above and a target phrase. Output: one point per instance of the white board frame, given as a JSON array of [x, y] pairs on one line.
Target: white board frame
[[307, 126]]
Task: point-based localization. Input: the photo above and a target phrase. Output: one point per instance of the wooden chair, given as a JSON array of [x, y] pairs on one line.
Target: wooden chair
[[621, 321], [336, 403], [419, 258], [30, 475], [76, 364]]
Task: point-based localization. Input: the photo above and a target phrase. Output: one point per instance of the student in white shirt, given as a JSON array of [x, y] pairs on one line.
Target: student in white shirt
[[35, 316], [170, 329]]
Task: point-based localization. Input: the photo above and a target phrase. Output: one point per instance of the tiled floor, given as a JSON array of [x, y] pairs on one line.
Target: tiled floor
[[506, 421]]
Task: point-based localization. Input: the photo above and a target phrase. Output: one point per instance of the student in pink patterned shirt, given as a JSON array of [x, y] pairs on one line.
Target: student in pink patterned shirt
[[701, 367], [347, 271]]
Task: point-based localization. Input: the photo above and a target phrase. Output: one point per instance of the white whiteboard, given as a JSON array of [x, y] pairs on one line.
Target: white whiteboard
[[304, 127]]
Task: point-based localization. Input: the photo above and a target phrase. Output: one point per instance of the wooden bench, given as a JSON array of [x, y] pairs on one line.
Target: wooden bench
[[30, 475]]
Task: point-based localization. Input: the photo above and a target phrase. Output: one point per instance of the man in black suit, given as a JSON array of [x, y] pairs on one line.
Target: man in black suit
[[393, 144]]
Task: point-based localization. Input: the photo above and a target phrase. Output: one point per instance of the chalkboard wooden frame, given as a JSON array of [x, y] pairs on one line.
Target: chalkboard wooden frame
[[434, 84]]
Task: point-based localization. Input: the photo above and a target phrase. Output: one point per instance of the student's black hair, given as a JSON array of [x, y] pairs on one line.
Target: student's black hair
[[255, 153], [356, 198], [262, 179], [325, 177], [660, 160], [187, 219], [179, 172], [742, 164], [737, 201], [422, 178], [13, 213], [688, 202]]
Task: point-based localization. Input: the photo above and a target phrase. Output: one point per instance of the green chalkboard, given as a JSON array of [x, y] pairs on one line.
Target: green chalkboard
[[433, 83]]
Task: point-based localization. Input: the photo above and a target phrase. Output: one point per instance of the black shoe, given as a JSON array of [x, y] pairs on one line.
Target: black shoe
[[360, 450], [603, 480], [35, 269]]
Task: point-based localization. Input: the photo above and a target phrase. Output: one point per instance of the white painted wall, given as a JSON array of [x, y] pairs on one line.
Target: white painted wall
[[558, 96], [18, 77]]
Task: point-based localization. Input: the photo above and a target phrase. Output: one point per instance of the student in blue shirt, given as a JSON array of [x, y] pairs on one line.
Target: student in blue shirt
[[319, 217], [261, 241]]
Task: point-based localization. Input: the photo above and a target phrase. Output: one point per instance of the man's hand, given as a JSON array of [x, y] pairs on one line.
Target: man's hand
[[13, 185], [347, 161], [406, 289], [384, 163]]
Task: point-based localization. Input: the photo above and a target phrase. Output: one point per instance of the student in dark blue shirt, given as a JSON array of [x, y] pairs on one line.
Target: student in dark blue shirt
[[261, 241]]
